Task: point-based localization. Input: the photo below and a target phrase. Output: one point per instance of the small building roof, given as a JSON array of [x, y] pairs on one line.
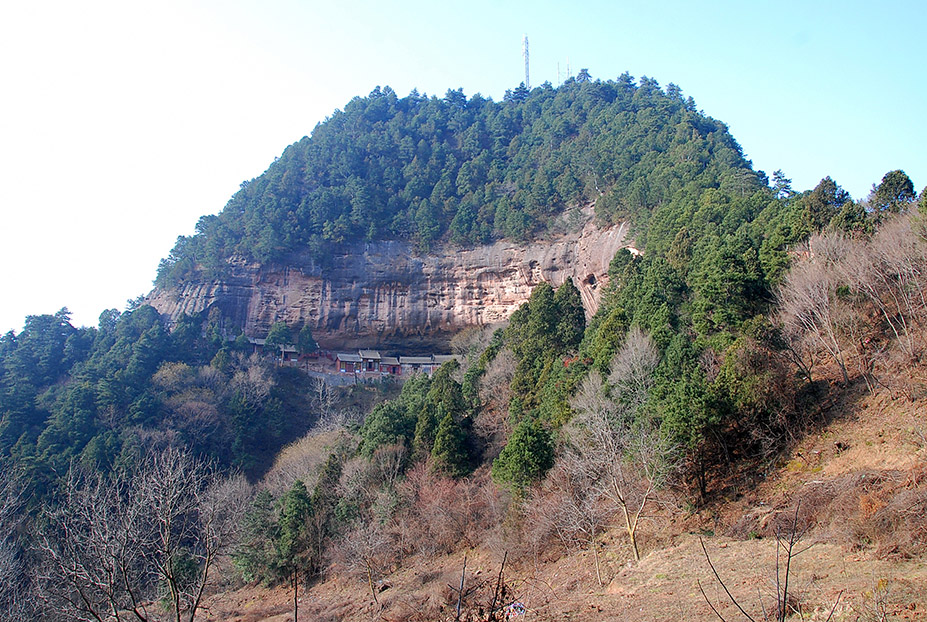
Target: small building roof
[[389, 360], [370, 355], [415, 360], [289, 347], [443, 358], [348, 358]]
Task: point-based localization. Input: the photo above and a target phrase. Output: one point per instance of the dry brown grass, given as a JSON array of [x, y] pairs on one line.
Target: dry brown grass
[[302, 459]]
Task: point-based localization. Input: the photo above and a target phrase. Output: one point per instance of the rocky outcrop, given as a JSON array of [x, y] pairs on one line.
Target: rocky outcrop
[[386, 294]]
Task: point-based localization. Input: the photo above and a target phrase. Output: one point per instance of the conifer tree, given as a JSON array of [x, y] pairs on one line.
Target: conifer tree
[[279, 336], [526, 458], [425, 429], [305, 341], [293, 536], [894, 193], [449, 453], [571, 320]]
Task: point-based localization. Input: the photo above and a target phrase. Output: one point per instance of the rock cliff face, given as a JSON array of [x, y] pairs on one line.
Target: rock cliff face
[[383, 294]]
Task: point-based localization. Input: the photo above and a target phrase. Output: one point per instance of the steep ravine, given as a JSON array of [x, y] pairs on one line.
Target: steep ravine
[[380, 294]]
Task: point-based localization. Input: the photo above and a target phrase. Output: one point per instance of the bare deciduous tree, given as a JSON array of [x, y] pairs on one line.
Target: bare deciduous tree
[[253, 379], [115, 540], [631, 369], [367, 550], [323, 397], [570, 505], [810, 310], [94, 550], [195, 519], [445, 512], [495, 393], [302, 460], [389, 461], [15, 601], [825, 300], [900, 257], [469, 344], [630, 458]]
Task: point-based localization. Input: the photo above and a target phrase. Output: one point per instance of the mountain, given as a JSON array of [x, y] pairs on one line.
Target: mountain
[[450, 209], [679, 334]]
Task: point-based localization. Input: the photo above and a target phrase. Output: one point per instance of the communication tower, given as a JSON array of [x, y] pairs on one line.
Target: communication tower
[[527, 81]]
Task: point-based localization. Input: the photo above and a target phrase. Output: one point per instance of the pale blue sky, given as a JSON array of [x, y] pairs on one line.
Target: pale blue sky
[[121, 123]]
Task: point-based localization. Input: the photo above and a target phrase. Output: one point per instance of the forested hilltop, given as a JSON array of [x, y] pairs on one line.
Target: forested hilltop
[[468, 171], [136, 457]]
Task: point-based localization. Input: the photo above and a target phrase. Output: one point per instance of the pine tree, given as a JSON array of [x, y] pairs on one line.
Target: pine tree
[[425, 429], [293, 536], [526, 458], [894, 193], [279, 336], [449, 454], [571, 322], [305, 341], [295, 509]]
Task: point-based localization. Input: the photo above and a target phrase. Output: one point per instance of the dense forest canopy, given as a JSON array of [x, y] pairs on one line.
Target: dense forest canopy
[[103, 396], [468, 171]]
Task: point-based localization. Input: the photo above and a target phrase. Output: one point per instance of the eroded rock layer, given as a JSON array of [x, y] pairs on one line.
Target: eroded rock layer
[[381, 294]]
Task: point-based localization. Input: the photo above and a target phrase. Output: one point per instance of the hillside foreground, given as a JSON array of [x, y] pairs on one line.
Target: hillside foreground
[[859, 481]]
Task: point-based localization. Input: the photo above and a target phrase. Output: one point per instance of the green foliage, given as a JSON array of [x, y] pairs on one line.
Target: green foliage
[[255, 556], [387, 424], [687, 412], [279, 336], [824, 203], [415, 417], [444, 392], [571, 320], [471, 381], [711, 243], [293, 537], [305, 342], [426, 427], [894, 193], [101, 396], [852, 218], [526, 457], [396, 421], [710, 261], [286, 538], [728, 285], [429, 170], [221, 361], [449, 453], [541, 333]]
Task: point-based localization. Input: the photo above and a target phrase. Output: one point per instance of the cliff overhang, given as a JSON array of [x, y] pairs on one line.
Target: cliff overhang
[[381, 294]]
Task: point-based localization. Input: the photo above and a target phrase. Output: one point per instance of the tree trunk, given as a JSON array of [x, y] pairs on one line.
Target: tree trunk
[[295, 594], [632, 531], [373, 592]]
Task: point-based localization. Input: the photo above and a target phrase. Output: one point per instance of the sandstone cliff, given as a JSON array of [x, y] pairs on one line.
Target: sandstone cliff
[[386, 294]]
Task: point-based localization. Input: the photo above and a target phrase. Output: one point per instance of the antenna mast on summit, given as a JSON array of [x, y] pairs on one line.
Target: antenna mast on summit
[[527, 81]]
